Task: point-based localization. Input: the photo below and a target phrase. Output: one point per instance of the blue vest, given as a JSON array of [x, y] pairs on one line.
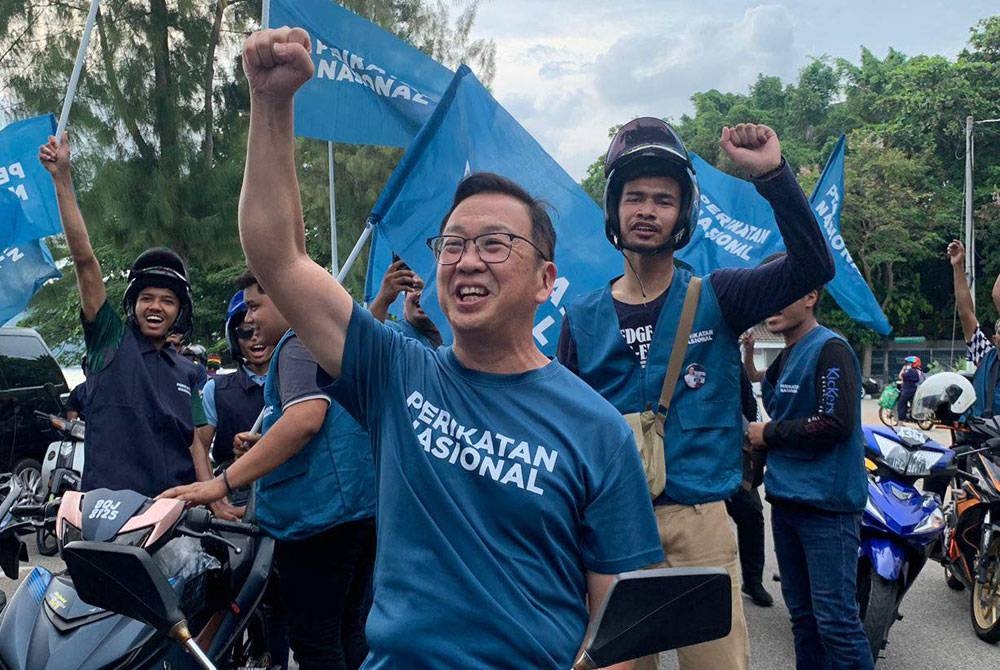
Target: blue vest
[[830, 479], [981, 380], [330, 481], [703, 432]]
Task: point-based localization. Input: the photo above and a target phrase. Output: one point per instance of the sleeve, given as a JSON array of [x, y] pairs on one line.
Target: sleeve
[[979, 346], [746, 296], [566, 348], [297, 375], [74, 402], [102, 336], [197, 409], [838, 406], [369, 362], [619, 528], [208, 404]]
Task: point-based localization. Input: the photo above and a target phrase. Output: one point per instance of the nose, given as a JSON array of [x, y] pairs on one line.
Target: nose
[[470, 260], [646, 207]]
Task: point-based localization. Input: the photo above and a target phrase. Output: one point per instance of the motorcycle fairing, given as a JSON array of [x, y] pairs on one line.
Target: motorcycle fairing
[[105, 512], [887, 559], [65, 609], [902, 507]]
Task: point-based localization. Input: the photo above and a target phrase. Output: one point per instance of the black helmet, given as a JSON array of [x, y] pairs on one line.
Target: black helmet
[[196, 354], [649, 147], [161, 268]]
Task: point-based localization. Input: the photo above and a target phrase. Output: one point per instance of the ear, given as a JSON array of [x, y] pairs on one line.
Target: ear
[[548, 281], [811, 299]]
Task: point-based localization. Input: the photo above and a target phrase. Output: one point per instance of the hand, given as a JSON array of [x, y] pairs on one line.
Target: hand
[[753, 147], [54, 156], [242, 442], [277, 63], [748, 340], [398, 278], [225, 510], [956, 254], [755, 435], [199, 493]]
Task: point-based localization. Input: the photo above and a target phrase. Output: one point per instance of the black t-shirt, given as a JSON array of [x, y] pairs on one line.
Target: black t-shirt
[[637, 323]]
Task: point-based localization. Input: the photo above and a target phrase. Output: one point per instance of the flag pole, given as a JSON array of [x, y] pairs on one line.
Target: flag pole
[[74, 79], [356, 251], [265, 14], [334, 260]]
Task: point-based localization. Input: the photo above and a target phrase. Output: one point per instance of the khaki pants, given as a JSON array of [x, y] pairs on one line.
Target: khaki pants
[[701, 536]]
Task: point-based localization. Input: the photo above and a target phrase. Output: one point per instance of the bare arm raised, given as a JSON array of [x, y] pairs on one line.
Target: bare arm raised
[[55, 157], [272, 232], [963, 296]]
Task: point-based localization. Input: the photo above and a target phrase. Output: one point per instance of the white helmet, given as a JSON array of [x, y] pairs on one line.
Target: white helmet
[[942, 394]]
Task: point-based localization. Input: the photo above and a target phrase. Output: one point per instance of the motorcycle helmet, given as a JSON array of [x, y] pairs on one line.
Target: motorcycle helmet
[[196, 354], [945, 395], [160, 267], [914, 361], [647, 147], [234, 318]]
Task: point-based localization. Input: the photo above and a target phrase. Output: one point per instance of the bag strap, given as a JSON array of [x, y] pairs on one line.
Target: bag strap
[[678, 351]]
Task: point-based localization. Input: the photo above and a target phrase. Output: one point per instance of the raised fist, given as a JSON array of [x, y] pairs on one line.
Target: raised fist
[[753, 147], [54, 156], [956, 254], [277, 63]]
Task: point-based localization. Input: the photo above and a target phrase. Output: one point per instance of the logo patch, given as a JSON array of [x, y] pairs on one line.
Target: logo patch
[[695, 376]]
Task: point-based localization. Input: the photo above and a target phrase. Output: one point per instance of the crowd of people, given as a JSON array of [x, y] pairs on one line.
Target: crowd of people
[[470, 504]]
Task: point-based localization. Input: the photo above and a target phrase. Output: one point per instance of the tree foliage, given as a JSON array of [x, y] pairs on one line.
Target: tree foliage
[[159, 128]]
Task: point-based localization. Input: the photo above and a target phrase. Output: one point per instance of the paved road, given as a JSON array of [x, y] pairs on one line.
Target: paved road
[[934, 633]]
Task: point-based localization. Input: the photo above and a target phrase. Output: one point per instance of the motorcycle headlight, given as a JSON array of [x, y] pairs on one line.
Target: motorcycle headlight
[[894, 455], [922, 461], [932, 524], [135, 538]]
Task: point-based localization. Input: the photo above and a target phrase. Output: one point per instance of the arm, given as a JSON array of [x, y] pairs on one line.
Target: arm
[[963, 296], [747, 340], [56, 159], [398, 278], [272, 232], [747, 296], [836, 414]]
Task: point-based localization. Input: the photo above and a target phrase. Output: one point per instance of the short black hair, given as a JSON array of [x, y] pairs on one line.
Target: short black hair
[[246, 280], [543, 234]]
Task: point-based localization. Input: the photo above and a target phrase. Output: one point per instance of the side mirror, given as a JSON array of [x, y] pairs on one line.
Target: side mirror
[[64, 479], [12, 553], [649, 611]]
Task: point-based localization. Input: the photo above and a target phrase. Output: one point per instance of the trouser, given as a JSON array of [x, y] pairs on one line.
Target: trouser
[[747, 512], [818, 558], [325, 583], [903, 404], [701, 536]]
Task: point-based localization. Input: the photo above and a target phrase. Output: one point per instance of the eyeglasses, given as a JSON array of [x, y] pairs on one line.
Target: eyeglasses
[[245, 333], [491, 247]]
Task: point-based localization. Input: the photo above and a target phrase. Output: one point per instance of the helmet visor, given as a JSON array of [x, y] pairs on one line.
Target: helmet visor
[[637, 136]]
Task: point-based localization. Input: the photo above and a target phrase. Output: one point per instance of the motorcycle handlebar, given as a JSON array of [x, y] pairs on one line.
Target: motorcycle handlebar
[[200, 520]]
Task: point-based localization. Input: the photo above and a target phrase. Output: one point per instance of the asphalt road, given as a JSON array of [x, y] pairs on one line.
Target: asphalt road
[[935, 631]]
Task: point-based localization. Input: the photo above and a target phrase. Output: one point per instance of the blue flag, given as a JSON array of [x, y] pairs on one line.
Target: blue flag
[[370, 87], [471, 132], [33, 212], [736, 228], [23, 270]]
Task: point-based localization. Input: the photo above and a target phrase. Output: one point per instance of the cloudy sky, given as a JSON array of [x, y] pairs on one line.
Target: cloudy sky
[[570, 69]]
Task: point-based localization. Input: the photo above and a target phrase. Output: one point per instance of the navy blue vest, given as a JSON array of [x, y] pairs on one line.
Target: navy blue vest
[[139, 422], [238, 402], [981, 380], [330, 481], [703, 431], [830, 479]]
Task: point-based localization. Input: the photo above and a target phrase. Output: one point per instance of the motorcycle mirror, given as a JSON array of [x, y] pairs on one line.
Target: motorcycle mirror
[[124, 580], [12, 552], [649, 611], [64, 479]]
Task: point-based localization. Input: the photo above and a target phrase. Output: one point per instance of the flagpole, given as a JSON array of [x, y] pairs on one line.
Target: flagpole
[[74, 79], [356, 251], [265, 14], [334, 260]]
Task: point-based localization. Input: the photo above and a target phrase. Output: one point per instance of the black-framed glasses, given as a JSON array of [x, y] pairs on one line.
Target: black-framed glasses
[[491, 247], [244, 333]]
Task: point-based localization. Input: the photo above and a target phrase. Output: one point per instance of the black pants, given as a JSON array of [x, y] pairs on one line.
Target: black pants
[[747, 511], [325, 585]]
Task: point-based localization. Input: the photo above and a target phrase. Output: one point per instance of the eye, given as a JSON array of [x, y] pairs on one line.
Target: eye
[[452, 244], [492, 242]]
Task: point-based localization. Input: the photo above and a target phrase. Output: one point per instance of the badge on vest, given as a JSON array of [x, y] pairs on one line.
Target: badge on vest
[[695, 376], [184, 388], [788, 388]]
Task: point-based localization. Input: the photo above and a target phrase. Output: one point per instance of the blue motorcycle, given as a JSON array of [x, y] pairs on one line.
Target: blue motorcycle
[[900, 525]]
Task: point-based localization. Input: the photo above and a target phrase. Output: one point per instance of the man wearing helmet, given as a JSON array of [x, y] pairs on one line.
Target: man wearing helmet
[[618, 339], [910, 376], [143, 401]]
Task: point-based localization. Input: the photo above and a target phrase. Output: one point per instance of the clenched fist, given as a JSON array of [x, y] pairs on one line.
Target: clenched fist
[[277, 63], [753, 147]]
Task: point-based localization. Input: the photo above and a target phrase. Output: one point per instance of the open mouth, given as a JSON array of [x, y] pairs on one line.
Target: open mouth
[[154, 319], [471, 294], [645, 229], [258, 349]]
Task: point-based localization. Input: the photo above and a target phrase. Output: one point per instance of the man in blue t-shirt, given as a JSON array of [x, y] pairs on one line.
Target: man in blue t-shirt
[[509, 493]]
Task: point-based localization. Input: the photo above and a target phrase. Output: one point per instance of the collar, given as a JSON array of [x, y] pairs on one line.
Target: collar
[[255, 378], [147, 347]]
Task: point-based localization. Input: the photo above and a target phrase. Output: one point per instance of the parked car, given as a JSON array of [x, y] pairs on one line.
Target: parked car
[[30, 380]]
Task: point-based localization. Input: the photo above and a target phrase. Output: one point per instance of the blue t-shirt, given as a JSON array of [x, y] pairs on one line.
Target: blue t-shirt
[[496, 495]]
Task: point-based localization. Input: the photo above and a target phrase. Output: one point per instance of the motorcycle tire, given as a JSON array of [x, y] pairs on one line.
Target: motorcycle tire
[[953, 582], [879, 612], [250, 649], [46, 542], [984, 601], [29, 471], [888, 417]]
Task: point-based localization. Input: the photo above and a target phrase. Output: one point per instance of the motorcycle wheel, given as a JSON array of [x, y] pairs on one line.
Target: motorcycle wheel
[[250, 650], [46, 542], [925, 424], [953, 582], [888, 416], [985, 598], [879, 612], [29, 471]]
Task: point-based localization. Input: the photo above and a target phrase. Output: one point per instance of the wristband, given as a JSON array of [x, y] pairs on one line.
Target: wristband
[[225, 480]]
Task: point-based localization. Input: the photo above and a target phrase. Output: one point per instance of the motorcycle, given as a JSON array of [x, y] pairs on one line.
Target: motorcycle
[[899, 524], [217, 571], [971, 546], [67, 454]]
